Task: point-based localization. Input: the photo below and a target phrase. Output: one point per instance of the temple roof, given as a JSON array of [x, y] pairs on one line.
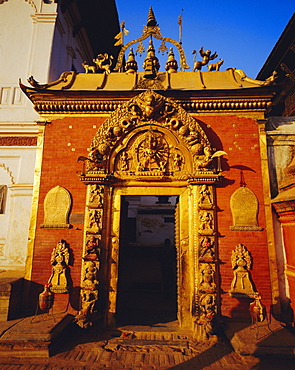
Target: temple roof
[[230, 79], [105, 86]]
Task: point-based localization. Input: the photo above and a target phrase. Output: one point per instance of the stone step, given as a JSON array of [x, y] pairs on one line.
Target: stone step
[[261, 340], [32, 336]]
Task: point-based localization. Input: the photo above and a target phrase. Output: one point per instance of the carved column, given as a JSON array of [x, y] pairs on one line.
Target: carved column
[[91, 255], [206, 286]]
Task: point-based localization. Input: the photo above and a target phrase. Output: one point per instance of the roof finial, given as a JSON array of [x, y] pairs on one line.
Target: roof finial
[[151, 21]]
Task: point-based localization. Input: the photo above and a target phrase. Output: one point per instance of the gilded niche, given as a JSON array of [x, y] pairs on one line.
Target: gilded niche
[[244, 209], [57, 206]]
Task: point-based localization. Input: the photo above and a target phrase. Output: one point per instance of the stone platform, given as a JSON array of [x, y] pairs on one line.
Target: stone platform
[[32, 336], [261, 341]]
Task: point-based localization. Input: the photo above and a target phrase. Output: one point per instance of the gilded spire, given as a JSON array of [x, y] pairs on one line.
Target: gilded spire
[[171, 64], [151, 64], [151, 21], [131, 64]]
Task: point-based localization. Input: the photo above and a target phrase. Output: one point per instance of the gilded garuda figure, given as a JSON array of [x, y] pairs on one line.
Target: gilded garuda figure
[[206, 55]]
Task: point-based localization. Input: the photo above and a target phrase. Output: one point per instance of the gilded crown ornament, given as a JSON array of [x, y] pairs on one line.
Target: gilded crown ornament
[[151, 29]]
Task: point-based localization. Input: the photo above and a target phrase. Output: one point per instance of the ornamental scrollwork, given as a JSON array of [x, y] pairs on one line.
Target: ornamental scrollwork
[[155, 116]]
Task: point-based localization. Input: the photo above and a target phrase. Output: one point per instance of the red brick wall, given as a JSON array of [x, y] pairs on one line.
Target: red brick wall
[[236, 136], [65, 140], [239, 138]]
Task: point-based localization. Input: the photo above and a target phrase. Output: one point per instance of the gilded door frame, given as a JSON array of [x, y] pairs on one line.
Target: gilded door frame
[[185, 253]]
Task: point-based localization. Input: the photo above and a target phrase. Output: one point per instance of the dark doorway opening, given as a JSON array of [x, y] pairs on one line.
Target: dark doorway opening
[[147, 289]]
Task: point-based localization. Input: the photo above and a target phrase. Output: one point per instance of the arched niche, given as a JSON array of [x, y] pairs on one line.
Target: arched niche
[[150, 135], [57, 204], [244, 208]]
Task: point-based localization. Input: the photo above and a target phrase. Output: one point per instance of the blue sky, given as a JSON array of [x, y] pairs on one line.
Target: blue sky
[[242, 32]]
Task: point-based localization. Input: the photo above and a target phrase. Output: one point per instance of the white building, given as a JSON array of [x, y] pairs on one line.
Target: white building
[[40, 38]]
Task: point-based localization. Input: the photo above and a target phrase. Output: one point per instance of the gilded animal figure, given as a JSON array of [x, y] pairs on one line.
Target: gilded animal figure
[[104, 61], [88, 68], [206, 57], [215, 66]]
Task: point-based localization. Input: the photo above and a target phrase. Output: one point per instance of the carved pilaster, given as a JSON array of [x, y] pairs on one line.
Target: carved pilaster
[[206, 286], [91, 255]]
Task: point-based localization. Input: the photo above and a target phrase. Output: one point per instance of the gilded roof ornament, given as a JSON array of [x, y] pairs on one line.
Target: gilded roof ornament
[[152, 30], [151, 63], [171, 64], [140, 48], [151, 22], [131, 64], [206, 57], [163, 48]]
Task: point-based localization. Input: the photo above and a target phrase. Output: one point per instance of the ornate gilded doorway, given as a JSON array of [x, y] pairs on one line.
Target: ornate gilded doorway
[[150, 146]]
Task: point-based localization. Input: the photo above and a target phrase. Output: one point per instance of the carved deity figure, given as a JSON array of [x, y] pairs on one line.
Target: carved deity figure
[[207, 307], [207, 284], [95, 161], [193, 140], [206, 221], [92, 250], [205, 196], [150, 104], [206, 253], [177, 162], [94, 219], [90, 281], [152, 153], [96, 196], [124, 161], [241, 263], [59, 260], [88, 301]]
